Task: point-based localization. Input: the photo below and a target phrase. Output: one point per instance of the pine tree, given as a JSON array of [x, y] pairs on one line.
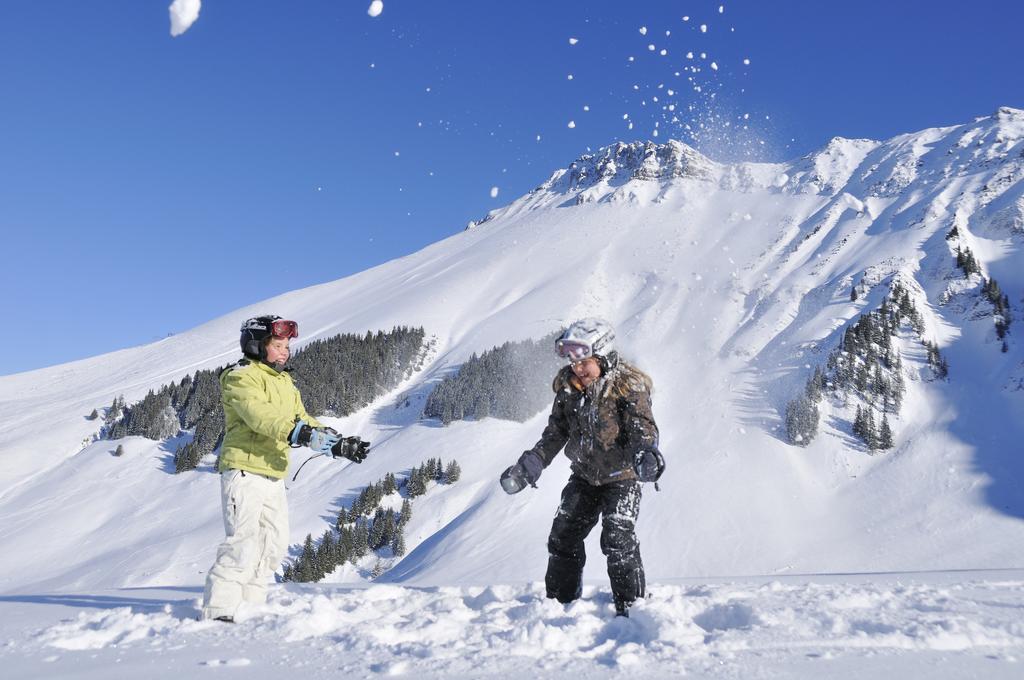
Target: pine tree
[[325, 555], [398, 544], [870, 433], [346, 546], [387, 534], [305, 567], [452, 473], [416, 487], [885, 434], [405, 514], [801, 421], [375, 539], [360, 540]]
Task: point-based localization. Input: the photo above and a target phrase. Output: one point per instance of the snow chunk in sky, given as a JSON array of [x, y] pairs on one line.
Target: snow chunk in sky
[[376, 7], [494, 192], [183, 14], [643, 30], [572, 124], [573, 41]]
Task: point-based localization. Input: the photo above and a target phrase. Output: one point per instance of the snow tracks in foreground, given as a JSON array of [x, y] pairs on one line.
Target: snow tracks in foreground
[[936, 627]]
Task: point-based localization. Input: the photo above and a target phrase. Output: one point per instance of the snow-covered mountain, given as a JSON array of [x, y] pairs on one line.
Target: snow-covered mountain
[[729, 284]]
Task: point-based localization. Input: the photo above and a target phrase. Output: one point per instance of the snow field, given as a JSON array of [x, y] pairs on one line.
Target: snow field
[[514, 630]]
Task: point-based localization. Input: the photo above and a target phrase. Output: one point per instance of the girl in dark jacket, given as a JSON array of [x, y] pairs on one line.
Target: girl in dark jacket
[[602, 417]]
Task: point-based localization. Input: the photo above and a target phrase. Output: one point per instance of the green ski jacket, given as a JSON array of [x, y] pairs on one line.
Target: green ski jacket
[[261, 407]]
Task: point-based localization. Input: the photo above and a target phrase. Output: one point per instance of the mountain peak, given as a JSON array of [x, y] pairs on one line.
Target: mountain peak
[[621, 162]]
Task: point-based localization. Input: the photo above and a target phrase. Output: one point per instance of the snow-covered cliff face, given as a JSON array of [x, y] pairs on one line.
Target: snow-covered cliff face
[[623, 162], [856, 166], [728, 283]]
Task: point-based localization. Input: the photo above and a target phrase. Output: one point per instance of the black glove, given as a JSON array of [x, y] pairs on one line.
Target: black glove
[[526, 471], [649, 464], [513, 480], [353, 448]]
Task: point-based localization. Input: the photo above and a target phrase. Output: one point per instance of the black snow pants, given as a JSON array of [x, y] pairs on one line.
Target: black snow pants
[[618, 505]]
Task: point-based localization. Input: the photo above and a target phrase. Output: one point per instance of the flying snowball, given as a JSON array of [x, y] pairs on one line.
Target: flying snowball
[[494, 192], [376, 7], [183, 14], [572, 124], [643, 30], [573, 41]]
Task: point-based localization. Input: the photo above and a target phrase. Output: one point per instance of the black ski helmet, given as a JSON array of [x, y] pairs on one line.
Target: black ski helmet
[[256, 330]]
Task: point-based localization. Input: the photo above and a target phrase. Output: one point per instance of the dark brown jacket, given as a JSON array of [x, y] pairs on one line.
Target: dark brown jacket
[[601, 427]]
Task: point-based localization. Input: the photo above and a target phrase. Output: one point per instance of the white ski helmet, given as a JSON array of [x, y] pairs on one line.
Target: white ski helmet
[[590, 337]]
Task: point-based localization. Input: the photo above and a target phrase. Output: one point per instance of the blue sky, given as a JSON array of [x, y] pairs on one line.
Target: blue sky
[[149, 183]]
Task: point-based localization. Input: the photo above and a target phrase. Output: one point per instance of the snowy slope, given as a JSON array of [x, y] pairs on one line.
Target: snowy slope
[[728, 284]]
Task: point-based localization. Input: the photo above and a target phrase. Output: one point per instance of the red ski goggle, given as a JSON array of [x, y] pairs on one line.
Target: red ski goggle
[[573, 351], [284, 329]]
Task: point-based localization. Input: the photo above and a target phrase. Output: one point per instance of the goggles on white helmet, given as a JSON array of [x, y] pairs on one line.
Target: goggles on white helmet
[[586, 338], [572, 350]]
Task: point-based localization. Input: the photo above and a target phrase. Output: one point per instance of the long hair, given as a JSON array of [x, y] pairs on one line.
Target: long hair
[[628, 378]]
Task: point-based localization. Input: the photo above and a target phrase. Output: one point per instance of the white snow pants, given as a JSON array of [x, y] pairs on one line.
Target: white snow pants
[[256, 524]]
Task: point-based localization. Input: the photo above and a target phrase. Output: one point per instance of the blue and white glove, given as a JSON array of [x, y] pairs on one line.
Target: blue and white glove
[[320, 440]]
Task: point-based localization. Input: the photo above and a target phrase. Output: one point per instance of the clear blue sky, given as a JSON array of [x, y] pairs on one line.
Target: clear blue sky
[[149, 183]]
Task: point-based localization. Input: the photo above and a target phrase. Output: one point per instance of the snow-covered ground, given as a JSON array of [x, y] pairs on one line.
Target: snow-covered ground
[[939, 625], [728, 284]]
